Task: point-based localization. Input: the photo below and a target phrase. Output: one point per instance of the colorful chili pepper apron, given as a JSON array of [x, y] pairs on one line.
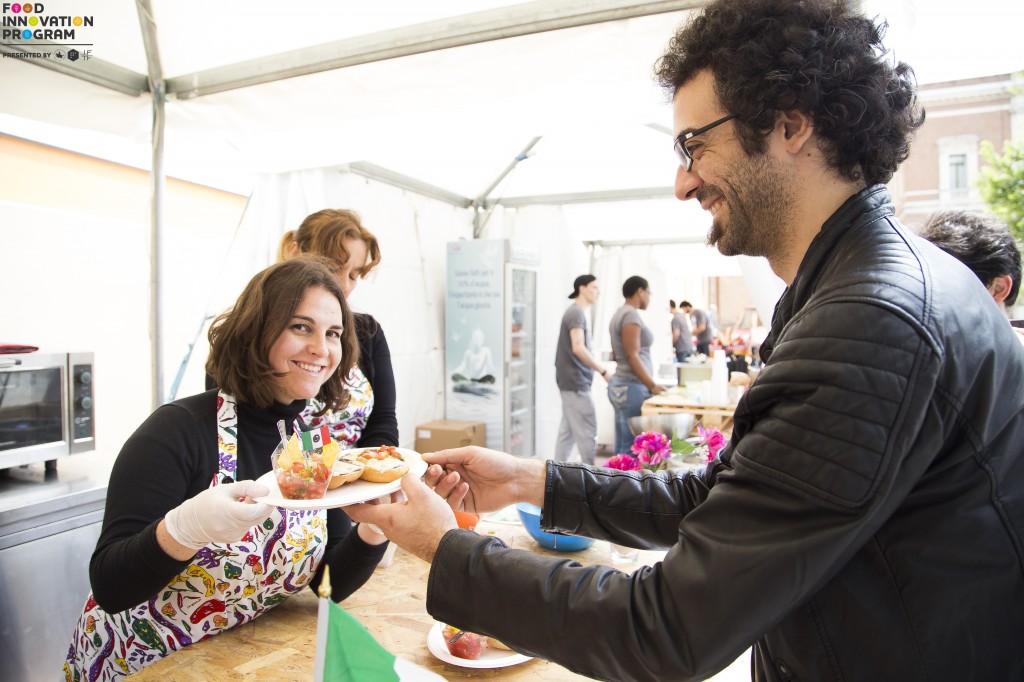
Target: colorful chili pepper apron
[[346, 425], [226, 585]]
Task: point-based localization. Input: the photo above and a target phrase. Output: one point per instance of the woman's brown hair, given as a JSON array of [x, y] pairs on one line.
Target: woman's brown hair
[[241, 338], [324, 233]]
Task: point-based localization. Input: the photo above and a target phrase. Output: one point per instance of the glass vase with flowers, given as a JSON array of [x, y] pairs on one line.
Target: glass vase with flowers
[[652, 450], [703, 450]]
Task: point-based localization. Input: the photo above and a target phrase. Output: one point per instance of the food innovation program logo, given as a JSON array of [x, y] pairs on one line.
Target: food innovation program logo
[[25, 25]]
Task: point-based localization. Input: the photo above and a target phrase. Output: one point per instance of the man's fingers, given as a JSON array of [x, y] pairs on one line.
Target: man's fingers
[[445, 486], [453, 456], [433, 475], [457, 495], [435, 457]]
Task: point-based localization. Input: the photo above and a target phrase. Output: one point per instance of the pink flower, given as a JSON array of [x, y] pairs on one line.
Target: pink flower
[[651, 443], [623, 463], [655, 460], [712, 439], [652, 449]]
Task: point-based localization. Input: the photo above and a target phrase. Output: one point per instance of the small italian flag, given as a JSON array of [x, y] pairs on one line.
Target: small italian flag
[[346, 652], [315, 438]]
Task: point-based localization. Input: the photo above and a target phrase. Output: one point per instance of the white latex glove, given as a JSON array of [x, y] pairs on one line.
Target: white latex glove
[[217, 515]]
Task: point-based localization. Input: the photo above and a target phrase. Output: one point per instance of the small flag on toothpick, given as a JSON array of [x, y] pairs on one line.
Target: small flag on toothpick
[[347, 652], [315, 438]]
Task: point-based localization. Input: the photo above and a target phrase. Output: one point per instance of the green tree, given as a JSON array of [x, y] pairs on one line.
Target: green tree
[[1002, 184]]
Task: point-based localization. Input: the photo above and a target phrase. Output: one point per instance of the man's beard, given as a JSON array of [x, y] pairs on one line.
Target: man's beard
[[758, 203]]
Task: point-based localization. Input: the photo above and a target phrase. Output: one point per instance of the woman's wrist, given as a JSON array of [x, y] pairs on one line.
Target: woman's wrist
[[170, 546], [369, 534]]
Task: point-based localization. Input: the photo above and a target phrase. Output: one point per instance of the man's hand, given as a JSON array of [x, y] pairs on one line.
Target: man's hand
[[416, 525], [472, 478], [448, 485], [495, 479]]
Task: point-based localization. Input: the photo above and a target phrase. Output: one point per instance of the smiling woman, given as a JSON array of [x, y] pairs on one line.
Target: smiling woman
[[309, 349], [242, 340]]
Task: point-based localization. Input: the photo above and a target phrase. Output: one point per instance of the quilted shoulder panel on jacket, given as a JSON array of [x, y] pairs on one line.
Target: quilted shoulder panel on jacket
[[846, 370]]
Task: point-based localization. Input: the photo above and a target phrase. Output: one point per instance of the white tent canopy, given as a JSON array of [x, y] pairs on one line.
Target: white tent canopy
[[453, 118]]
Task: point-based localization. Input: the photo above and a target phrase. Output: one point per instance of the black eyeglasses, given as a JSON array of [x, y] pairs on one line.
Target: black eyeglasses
[[680, 146]]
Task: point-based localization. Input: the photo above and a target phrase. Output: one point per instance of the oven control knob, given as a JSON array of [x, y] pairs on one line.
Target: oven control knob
[[84, 403], [85, 377]]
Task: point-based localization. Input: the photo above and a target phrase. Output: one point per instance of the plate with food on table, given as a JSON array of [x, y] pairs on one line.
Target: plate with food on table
[[470, 650]]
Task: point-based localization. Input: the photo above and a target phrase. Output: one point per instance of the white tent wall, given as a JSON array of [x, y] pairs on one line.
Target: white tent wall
[[85, 304], [82, 284], [763, 285]]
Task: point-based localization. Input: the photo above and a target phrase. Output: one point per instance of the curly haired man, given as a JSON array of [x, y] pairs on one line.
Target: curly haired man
[[866, 520]]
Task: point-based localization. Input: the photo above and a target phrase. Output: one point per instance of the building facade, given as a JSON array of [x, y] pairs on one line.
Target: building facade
[[945, 161]]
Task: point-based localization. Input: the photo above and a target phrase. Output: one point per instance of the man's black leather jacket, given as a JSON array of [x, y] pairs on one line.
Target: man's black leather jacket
[[866, 521]]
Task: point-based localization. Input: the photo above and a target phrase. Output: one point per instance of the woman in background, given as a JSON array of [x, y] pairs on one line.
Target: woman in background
[[633, 381], [182, 554], [338, 235]]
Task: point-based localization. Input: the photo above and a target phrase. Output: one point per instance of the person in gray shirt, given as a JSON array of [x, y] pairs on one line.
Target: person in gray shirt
[[682, 338], [633, 382], [574, 372], [701, 327]]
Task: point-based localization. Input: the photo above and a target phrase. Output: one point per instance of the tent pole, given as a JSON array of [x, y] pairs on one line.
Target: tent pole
[[481, 210], [157, 87], [156, 249]]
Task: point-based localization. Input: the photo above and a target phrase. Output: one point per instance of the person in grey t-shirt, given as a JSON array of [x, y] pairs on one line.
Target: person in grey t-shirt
[[574, 372], [701, 327], [682, 338], [633, 382]]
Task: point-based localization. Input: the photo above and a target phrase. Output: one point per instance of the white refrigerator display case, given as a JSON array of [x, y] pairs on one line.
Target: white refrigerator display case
[[491, 340]]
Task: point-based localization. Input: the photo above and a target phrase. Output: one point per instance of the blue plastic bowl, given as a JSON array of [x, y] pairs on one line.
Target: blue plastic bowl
[[530, 516]]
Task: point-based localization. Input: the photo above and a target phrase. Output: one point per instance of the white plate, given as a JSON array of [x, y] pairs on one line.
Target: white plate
[[349, 493], [491, 658]]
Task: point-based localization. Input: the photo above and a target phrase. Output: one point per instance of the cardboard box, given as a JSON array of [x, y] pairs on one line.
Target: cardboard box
[[449, 433]]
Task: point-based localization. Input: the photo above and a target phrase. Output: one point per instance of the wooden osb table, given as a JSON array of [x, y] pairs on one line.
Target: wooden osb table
[[710, 415], [280, 645]]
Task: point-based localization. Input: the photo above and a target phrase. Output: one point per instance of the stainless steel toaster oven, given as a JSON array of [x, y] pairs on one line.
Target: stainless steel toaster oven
[[46, 407]]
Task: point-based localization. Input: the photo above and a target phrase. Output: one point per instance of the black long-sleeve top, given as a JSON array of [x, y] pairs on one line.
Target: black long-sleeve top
[[172, 457], [375, 363]]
